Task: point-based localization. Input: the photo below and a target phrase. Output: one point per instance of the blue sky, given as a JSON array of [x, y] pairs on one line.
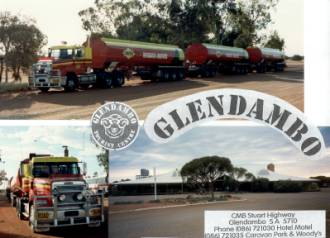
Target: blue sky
[[17, 142], [59, 20], [252, 147]]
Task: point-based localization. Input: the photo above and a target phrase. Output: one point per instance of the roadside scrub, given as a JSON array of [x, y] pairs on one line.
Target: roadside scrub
[[190, 199], [13, 87]]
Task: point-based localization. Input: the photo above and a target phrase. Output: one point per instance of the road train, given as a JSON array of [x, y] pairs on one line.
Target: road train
[[106, 63]]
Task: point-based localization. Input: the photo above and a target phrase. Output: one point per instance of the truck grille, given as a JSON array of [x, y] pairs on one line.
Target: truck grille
[[70, 190]]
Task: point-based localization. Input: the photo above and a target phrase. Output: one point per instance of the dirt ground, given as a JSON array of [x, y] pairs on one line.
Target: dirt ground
[[188, 221], [12, 227], [144, 96]]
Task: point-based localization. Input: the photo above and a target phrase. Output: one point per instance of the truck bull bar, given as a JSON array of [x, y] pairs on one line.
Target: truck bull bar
[[68, 213]]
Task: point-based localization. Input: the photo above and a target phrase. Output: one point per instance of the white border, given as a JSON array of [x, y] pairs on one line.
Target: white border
[[317, 61], [86, 123]]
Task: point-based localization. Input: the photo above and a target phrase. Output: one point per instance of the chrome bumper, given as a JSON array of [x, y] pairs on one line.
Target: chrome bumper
[[80, 213], [46, 81]]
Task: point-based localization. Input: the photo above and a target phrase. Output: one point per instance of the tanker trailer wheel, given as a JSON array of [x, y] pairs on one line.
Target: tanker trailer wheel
[[119, 80], [166, 75], [174, 76], [180, 75]]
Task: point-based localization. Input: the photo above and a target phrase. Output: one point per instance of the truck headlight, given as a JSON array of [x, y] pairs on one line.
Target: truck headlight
[[79, 197], [95, 212], [61, 197]]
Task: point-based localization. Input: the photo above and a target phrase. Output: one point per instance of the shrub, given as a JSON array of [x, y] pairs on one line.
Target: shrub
[[288, 186], [11, 87], [312, 187], [297, 57]]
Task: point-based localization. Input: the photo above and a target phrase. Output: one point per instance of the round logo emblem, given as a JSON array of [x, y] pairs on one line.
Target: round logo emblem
[[115, 125]]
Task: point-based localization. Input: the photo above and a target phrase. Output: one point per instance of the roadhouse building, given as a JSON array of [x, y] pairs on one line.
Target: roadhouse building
[[173, 183]]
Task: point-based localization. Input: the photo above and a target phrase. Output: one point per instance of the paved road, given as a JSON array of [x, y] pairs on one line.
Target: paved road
[[145, 95], [187, 222], [12, 227]]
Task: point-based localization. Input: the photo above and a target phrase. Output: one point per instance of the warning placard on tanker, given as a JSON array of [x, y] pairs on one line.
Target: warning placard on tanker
[[261, 224]]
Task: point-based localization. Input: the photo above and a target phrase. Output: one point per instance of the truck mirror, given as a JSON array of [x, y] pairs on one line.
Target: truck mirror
[[84, 168]]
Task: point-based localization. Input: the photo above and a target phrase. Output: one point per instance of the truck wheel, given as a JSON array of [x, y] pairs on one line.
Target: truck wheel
[[107, 83], [31, 218], [70, 85], [19, 209], [31, 221], [166, 75], [13, 201], [119, 80], [174, 76], [44, 90], [180, 75], [213, 73]]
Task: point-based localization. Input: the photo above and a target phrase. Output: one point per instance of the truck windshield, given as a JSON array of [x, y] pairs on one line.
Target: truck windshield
[[44, 170], [66, 53], [61, 53]]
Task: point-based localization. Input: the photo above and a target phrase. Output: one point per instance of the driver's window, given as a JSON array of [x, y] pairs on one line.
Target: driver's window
[[79, 53]]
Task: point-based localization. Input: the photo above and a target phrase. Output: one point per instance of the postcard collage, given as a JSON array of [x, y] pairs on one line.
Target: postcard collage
[[170, 118]]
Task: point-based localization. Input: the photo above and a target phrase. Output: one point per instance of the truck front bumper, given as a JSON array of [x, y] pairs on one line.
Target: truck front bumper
[[58, 216], [46, 81], [49, 218]]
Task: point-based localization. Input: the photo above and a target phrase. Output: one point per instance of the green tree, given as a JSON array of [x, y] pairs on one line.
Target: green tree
[[236, 174], [21, 41], [249, 20], [103, 161], [249, 176], [206, 171], [3, 177], [7, 21], [27, 43], [275, 41], [180, 22]]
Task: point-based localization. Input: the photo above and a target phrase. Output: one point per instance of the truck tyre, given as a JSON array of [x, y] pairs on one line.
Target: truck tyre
[[166, 75], [71, 85], [107, 82], [180, 75], [19, 209], [44, 90], [31, 221], [119, 80], [31, 218], [174, 76], [13, 201]]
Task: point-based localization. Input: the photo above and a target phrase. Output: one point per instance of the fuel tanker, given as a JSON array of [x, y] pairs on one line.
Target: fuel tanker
[[266, 59], [106, 62], [207, 59], [51, 192]]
